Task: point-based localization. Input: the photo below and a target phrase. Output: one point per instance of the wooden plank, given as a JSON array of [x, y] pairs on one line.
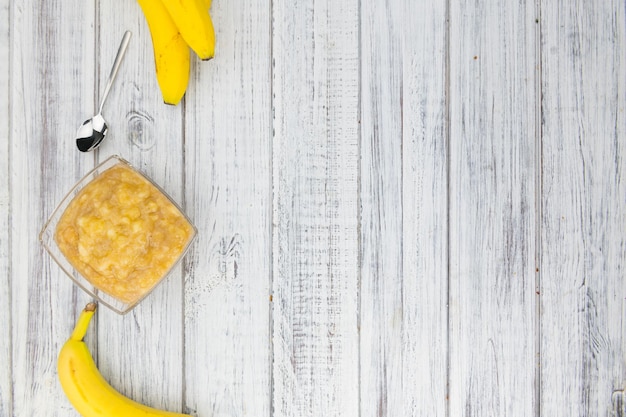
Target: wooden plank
[[316, 166], [228, 192], [6, 400], [51, 70], [492, 208], [424, 211], [141, 353], [404, 220], [583, 239]]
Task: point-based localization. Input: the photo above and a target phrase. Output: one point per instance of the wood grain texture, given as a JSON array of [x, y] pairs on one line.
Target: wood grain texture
[[424, 214], [228, 193], [404, 220], [52, 67], [141, 353], [492, 201], [315, 165], [583, 237], [352, 167], [6, 389]]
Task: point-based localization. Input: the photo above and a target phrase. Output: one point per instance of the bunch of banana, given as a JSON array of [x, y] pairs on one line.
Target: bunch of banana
[[176, 26], [86, 389]]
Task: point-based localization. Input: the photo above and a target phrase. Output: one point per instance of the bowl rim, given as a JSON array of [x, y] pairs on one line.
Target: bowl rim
[[53, 218]]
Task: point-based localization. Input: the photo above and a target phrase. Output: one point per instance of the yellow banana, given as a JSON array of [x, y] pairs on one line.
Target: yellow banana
[[171, 52], [194, 23], [86, 389]]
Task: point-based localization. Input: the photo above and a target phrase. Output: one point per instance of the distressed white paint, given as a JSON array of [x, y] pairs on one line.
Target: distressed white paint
[[315, 253], [583, 227], [319, 282], [51, 82], [228, 193], [403, 196], [424, 215], [492, 198], [5, 245], [381, 308]]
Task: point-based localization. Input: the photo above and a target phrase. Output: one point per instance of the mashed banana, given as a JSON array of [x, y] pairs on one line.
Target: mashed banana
[[122, 234]]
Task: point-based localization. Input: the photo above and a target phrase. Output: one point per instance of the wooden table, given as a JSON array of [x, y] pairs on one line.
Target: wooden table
[[405, 208]]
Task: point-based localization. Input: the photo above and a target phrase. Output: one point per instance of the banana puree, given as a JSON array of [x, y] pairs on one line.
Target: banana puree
[[122, 234]]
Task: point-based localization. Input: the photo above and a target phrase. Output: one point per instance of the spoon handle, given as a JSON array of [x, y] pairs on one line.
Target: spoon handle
[[116, 66]]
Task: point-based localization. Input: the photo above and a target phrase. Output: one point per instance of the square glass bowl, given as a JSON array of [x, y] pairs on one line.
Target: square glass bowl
[[117, 234]]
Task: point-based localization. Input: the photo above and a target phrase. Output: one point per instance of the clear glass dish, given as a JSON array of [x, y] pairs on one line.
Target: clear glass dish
[[100, 272]]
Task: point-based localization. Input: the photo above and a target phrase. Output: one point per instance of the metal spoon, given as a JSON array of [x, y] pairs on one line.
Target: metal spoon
[[91, 133]]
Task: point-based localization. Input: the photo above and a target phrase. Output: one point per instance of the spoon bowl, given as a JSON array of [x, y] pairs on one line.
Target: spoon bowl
[[92, 131]]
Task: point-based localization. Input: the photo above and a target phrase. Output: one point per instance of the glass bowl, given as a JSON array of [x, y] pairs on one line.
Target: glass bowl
[[117, 234]]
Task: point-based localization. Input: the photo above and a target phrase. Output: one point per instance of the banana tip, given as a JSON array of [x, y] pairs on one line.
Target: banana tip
[[91, 306]]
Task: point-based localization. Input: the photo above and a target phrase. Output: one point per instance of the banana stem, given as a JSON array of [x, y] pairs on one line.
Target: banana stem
[[83, 322]]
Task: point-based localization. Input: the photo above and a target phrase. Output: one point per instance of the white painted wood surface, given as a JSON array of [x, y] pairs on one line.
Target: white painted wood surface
[[403, 192], [583, 205], [405, 208], [228, 190], [5, 283], [315, 236], [492, 165]]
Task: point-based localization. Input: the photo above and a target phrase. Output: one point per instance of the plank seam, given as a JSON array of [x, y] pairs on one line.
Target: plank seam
[[538, 202], [401, 207], [359, 197], [271, 211], [448, 207], [11, 392], [185, 262]]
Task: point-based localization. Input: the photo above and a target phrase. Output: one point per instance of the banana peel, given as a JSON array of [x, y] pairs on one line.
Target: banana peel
[[175, 26], [85, 387], [171, 52], [195, 25]]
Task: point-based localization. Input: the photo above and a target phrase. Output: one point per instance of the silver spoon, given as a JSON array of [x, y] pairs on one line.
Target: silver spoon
[[91, 133]]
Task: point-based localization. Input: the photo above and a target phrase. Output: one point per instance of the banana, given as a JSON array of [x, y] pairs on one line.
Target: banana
[[194, 23], [86, 389], [171, 52]]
